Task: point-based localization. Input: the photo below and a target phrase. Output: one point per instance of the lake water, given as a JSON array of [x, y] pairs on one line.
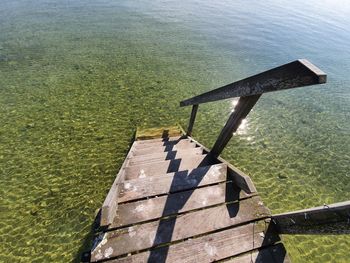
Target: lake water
[[77, 78]]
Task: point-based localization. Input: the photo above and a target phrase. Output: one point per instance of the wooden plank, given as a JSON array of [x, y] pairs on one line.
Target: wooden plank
[[166, 139], [242, 180], [152, 169], [159, 132], [195, 223], [173, 182], [192, 119], [177, 203], [208, 248], [163, 156], [272, 254], [243, 107], [296, 74], [161, 144], [110, 204], [329, 219], [168, 148]]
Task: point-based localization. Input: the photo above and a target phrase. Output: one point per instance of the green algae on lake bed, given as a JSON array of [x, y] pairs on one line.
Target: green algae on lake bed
[[77, 78]]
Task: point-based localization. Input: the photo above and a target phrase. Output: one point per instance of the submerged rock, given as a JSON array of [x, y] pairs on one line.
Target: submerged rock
[[100, 137], [282, 176], [4, 58], [34, 211], [30, 125]]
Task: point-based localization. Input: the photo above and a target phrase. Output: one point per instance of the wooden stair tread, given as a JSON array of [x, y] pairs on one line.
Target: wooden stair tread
[[174, 138], [272, 254], [163, 156], [216, 246], [155, 208], [157, 133], [147, 235], [167, 148], [169, 183], [165, 143], [168, 166]]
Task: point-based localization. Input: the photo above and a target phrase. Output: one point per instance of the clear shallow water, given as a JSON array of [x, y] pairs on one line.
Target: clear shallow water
[[77, 77]]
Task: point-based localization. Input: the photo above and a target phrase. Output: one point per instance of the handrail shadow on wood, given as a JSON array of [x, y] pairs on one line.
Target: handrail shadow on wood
[[295, 74]]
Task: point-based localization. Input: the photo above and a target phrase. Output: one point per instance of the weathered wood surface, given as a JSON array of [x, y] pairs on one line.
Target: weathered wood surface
[[197, 213], [298, 73], [242, 180], [155, 133], [172, 182], [163, 156], [110, 204], [239, 178], [212, 247], [150, 141], [177, 203], [169, 166], [272, 254], [329, 219], [243, 107], [149, 150], [168, 144], [192, 119], [151, 234]]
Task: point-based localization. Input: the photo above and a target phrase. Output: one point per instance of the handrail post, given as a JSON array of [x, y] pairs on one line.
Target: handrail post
[[243, 107], [192, 119]]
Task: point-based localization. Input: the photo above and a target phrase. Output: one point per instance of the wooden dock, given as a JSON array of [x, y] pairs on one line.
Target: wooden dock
[[174, 200]]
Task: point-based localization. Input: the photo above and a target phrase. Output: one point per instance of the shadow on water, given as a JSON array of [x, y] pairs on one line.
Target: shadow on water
[[83, 254], [276, 253], [165, 134], [270, 253]]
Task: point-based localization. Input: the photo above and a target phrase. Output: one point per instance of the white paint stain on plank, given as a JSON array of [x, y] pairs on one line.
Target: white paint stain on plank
[[139, 208], [108, 252], [211, 250], [128, 186], [142, 174], [131, 231], [215, 171]]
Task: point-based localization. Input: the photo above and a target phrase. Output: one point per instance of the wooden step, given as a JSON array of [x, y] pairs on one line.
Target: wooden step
[[218, 246], [188, 225], [150, 150], [153, 133], [164, 167], [161, 143], [163, 156], [155, 208], [272, 254], [173, 182]]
